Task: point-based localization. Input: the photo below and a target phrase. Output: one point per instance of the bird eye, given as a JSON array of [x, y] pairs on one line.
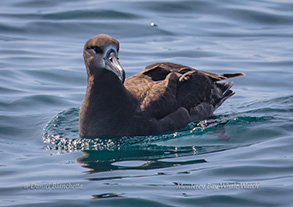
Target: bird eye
[[97, 50]]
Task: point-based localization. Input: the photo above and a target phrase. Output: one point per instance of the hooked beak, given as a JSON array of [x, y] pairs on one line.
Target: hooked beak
[[113, 65]]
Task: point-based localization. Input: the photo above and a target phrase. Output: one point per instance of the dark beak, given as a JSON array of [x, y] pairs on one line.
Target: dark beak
[[113, 65]]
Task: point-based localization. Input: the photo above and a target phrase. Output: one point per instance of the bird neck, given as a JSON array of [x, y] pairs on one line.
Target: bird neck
[[106, 103], [106, 92]]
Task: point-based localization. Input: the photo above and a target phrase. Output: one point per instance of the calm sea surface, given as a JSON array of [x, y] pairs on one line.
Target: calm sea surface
[[243, 156]]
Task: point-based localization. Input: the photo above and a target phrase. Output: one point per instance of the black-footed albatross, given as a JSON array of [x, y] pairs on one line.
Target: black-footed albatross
[[162, 97]]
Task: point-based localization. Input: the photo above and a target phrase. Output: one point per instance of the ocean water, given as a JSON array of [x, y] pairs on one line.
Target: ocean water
[[241, 157]]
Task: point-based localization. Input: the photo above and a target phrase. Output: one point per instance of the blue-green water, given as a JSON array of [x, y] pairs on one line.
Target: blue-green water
[[243, 156]]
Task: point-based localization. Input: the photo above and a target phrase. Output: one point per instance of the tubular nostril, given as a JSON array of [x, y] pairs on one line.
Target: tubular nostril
[[111, 59]]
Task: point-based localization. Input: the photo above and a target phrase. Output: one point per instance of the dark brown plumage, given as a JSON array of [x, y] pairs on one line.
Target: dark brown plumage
[[162, 97]]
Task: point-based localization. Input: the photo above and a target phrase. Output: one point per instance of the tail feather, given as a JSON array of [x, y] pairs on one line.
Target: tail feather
[[217, 77], [224, 86], [223, 93], [231, 75], [222, 100]]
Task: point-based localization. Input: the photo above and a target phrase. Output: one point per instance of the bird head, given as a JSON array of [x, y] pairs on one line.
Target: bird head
[[101, 53]]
